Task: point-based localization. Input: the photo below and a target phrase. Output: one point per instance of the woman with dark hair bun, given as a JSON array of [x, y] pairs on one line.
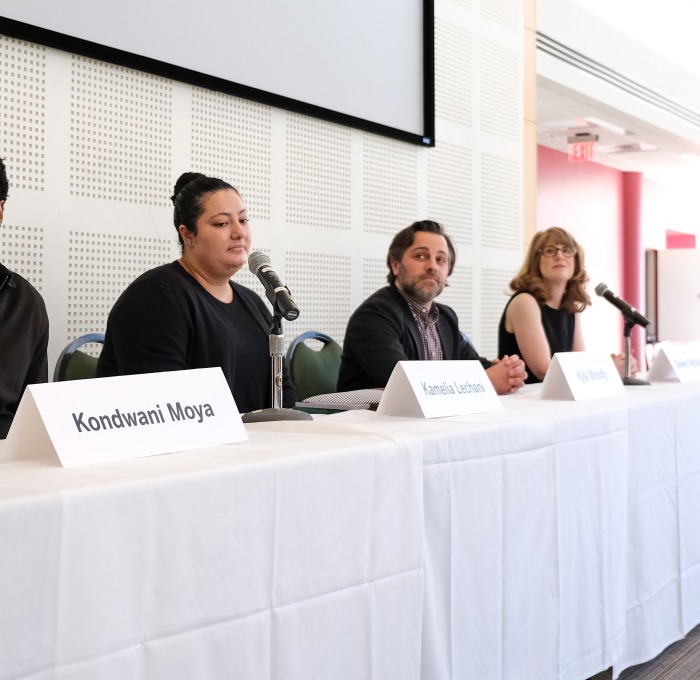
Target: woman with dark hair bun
[[543, 315], [188, 313]]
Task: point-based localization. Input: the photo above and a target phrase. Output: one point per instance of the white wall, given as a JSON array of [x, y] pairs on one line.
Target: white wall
[[639, 58], [679, 295], [93, 151]]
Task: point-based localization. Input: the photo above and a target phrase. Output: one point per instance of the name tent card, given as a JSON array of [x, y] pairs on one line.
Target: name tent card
[[581, 375], [433, 389], [676, 362], [102, 419]]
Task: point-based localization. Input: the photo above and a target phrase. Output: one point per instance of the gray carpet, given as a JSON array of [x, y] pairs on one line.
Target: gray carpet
[[680, 661]]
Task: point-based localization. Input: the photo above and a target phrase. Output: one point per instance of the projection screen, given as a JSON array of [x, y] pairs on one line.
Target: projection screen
[[367, 64]]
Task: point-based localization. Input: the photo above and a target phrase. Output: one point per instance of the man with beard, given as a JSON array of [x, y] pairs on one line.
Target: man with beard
[[402, 322]]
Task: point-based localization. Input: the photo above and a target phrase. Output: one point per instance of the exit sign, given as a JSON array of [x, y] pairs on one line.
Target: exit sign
[[581, 151]]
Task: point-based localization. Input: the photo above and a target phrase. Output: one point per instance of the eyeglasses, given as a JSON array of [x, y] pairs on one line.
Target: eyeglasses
[[551, 251]]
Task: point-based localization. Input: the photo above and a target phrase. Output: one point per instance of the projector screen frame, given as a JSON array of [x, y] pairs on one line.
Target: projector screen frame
[[86, 48]]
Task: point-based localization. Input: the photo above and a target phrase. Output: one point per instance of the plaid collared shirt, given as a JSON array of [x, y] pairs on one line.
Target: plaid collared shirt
[[426, 320]]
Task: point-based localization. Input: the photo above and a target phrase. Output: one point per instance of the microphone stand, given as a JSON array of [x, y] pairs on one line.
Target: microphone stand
[[627, 380], [277, 412]]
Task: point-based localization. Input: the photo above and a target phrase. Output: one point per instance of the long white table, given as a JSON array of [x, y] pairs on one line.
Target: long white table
[[282, 557], [663, 517], [551, 540], [561, 538], [524, 525]]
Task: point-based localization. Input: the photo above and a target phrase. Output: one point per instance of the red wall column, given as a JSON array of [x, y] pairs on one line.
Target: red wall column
[[632, 255]]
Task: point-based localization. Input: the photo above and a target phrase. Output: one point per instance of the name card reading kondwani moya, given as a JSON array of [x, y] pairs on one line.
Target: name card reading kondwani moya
[[91, 421], [433, 389]]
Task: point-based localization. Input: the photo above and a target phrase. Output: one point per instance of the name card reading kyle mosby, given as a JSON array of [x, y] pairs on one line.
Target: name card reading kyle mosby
[[581, 375], [432, 389], [676, 362], [92, 421]]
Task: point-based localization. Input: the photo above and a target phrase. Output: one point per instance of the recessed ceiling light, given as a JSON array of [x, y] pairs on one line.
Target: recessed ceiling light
[[635, 147], [610, 127], [563, 124]]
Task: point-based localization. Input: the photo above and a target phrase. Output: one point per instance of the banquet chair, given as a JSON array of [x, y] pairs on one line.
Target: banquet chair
[[75, 364], [466, 337], [314, 371]]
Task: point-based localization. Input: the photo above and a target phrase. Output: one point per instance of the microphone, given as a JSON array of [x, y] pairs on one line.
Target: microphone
[[277, 294], [629, 312]]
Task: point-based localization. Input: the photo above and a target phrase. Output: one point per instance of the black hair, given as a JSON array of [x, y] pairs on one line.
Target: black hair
[[189, 192], [4, 184], [404, 240]]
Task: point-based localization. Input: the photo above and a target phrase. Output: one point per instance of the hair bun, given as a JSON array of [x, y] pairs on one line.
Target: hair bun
[[183, 180]]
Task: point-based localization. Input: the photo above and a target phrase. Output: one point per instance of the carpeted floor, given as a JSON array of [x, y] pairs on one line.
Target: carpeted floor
[[680, 661]]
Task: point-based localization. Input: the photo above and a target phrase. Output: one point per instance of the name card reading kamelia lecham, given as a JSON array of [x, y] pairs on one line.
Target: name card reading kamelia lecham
[[676, 362], [581, 375], [92, 421], [433, 389]]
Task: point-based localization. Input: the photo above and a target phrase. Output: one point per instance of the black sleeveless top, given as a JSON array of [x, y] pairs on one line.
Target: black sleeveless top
[[558, 326]]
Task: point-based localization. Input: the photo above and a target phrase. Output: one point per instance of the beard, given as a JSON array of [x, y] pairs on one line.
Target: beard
[[420, 289]]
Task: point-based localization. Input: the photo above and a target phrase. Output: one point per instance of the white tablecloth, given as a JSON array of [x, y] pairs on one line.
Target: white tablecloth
[[285, 557], [560, 537], [524, 528], [550, 540], [663, 540]]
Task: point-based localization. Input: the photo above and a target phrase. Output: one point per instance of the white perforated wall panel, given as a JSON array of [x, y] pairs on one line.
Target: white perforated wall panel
[[318, 172], [100, 267], [23, 252], [23, 111], [454, 76], [390, 186], [505, 12], [120, 131], [321, 291], [450, 188], [458, 295], [232, 139], [501, 85], [374, 273], [494, 295], [93, 151], [500, 202]]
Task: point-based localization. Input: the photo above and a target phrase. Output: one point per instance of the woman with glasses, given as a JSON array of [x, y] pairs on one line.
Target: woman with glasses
[[543, 315]]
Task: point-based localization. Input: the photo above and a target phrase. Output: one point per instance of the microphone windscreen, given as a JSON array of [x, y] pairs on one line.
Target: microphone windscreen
[[257, 260], [600, 289]]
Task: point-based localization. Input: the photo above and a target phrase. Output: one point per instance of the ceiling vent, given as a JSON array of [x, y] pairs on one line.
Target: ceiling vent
[[636, 147], [594, 68]]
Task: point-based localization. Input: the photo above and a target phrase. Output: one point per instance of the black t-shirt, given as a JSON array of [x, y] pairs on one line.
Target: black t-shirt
[[24, 336], [558, 326], [166, 321], [250, 347]]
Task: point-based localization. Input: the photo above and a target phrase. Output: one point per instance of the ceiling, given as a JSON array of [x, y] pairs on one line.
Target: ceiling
[[624, 142]]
